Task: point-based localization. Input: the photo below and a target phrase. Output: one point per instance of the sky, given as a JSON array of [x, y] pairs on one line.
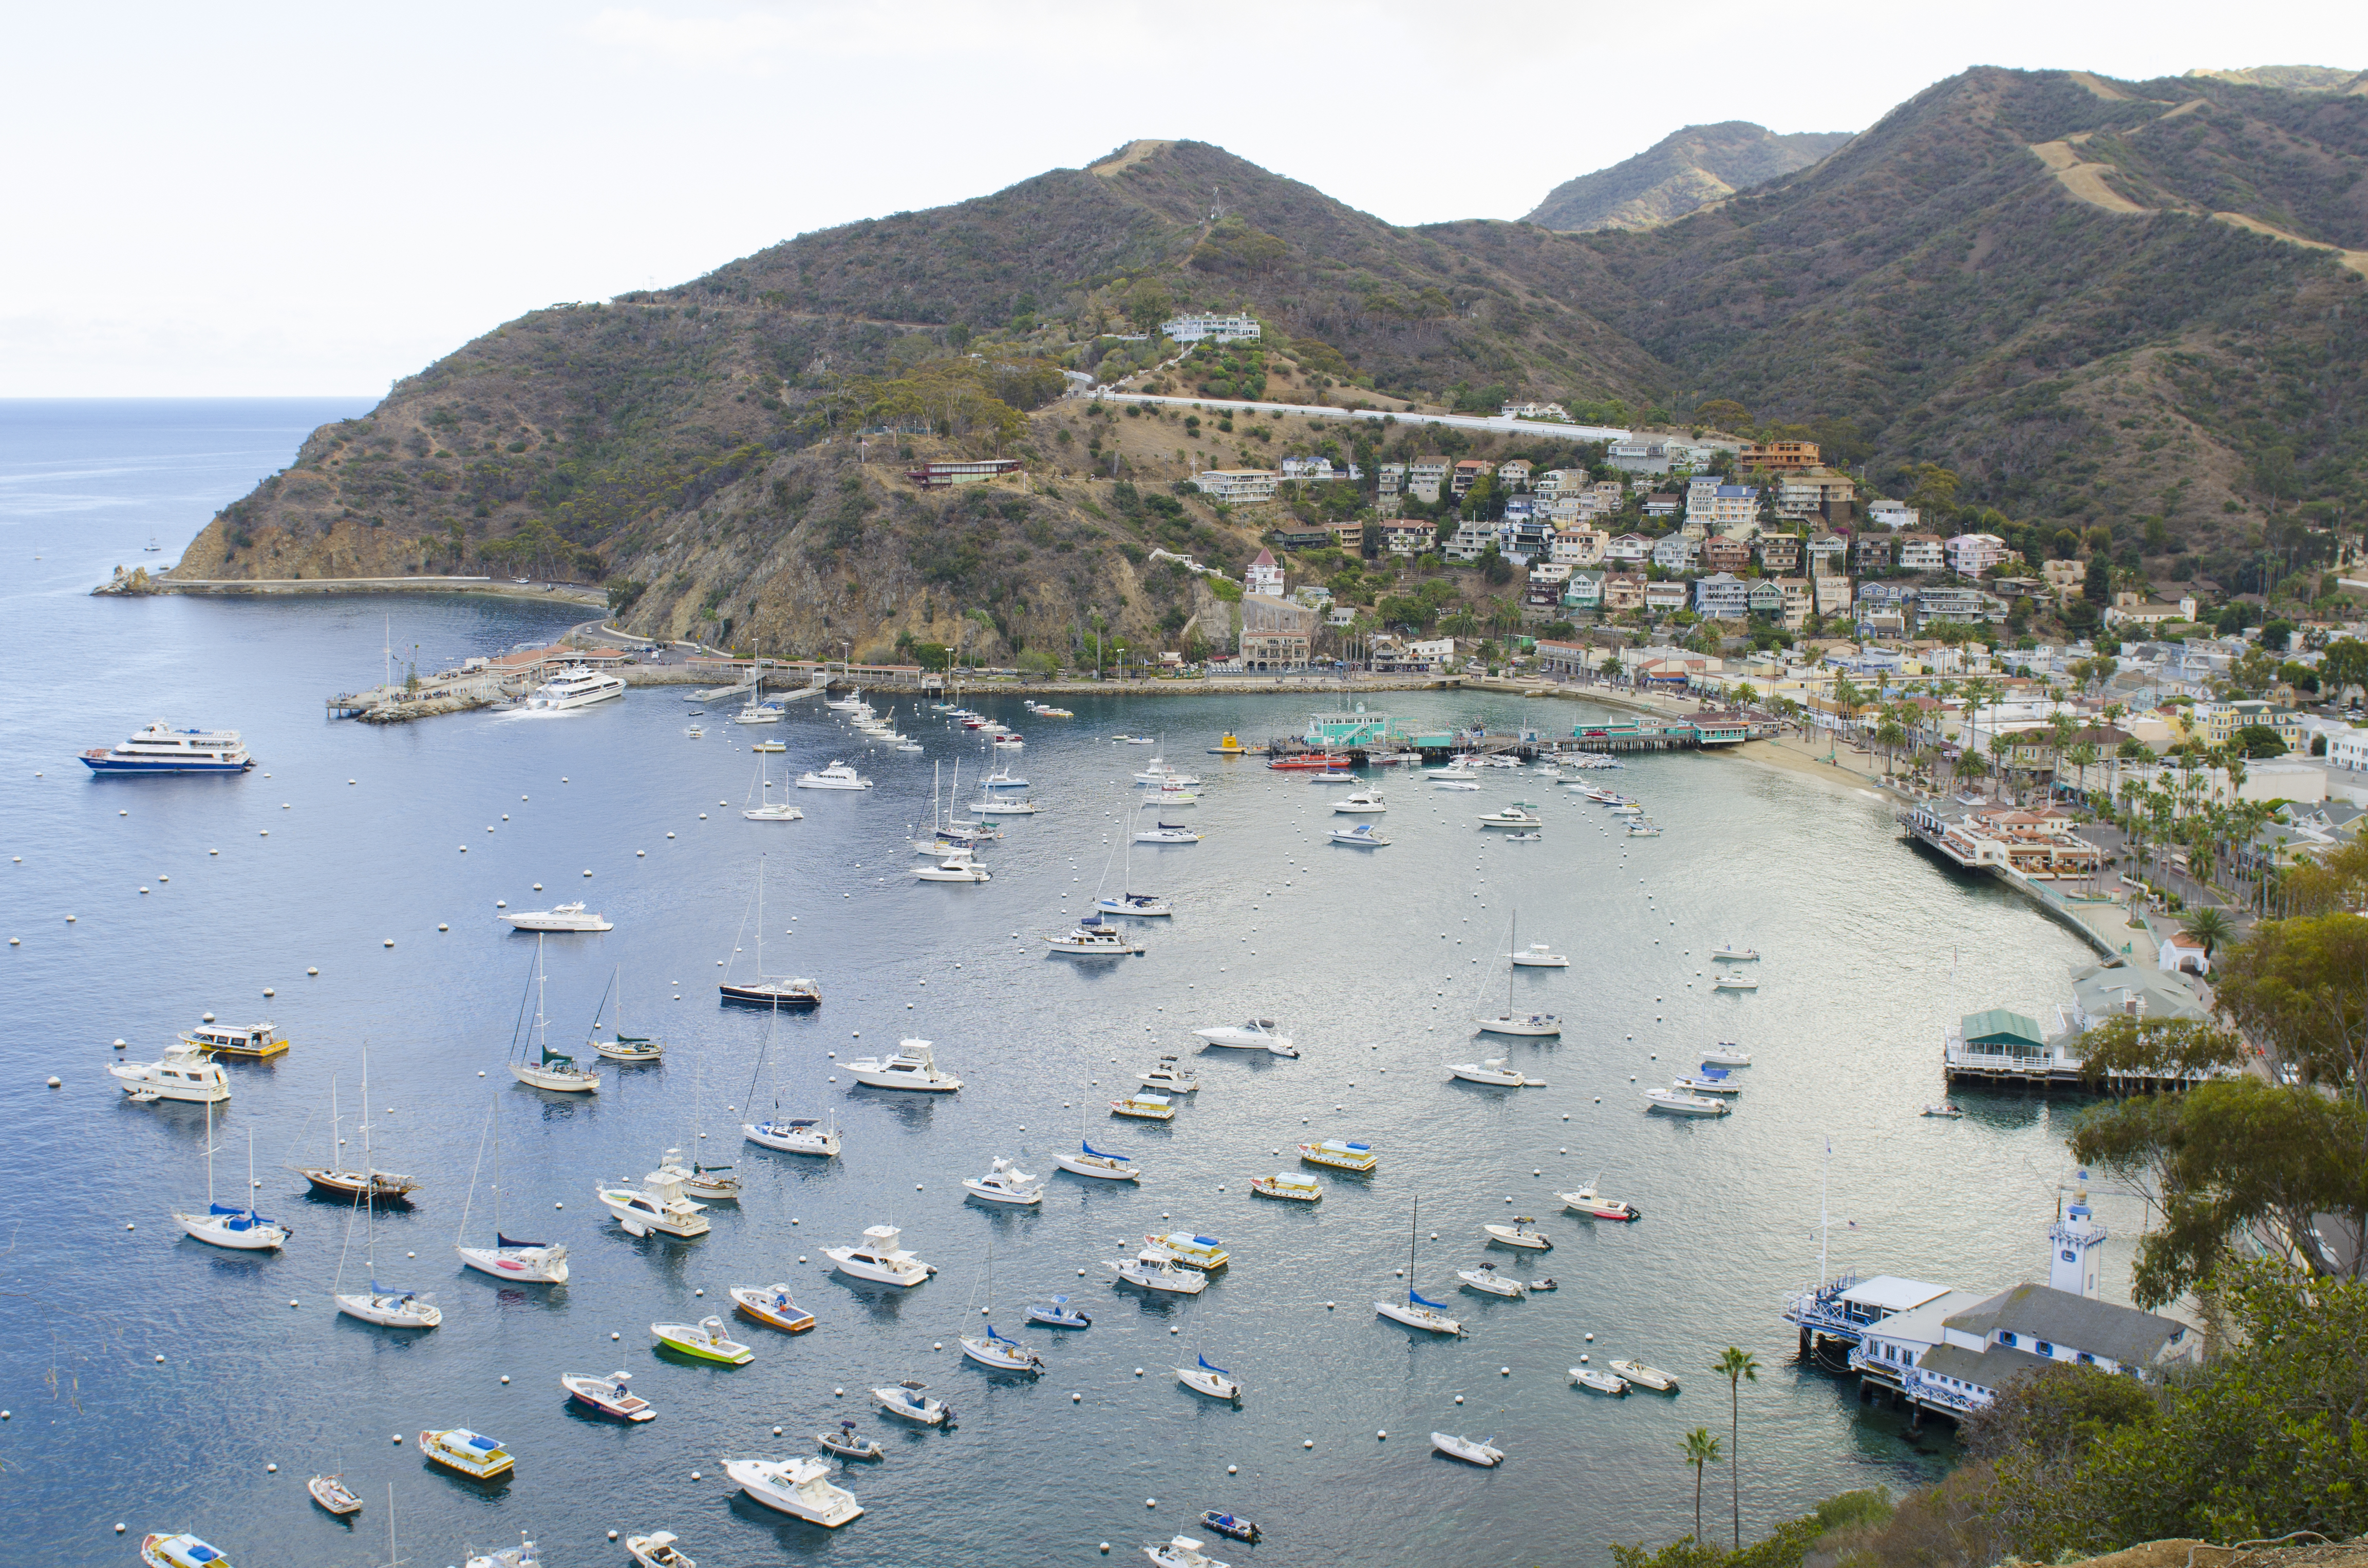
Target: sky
[[279, 199]]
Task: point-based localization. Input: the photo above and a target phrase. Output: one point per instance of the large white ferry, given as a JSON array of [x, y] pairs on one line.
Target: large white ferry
[[157, 749], [575, 688]]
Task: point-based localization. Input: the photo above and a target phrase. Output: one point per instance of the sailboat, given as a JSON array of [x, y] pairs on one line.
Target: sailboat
[[716, 1184], [1143, 905], [1511, 1021], [1215, 1381], [389, 1308], [991, 1349], [1414, 1312], [523, 1263], [231, 1225], [551, 1069], [334, 1180], [626, 1047], [766, 989], [767, 809]]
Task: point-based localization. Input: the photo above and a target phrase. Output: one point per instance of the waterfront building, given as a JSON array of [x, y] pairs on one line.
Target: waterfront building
[[1276, 633]]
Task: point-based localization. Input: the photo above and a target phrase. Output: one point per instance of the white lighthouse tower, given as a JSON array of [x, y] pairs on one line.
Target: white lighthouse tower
[[2076, 1238]]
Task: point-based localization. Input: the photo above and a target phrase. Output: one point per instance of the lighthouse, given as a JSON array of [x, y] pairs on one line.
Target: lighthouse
[[2076, 1237]]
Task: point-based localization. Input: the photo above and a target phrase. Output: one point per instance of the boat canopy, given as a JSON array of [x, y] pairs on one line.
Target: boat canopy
[[1434, 1306], [501, 1240], [1206, 1366], [1098, 1154]]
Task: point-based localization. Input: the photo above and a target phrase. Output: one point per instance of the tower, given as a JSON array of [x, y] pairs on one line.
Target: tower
[[2076, 1238]]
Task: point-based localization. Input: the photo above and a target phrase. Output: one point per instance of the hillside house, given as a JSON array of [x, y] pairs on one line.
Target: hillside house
[[1471, 541], [1425, 477], [1663, 504], [1922, 552], [1781, 455], [1766, 597], [1664, 597], [1407, 538], [1831, 595], [1584, 590], [1722, 594], [1896, 515], [1828, 556], [1237, 487], [1780, 554], [1970, 555], [1467, 472], [1210, 329], [1724, 554], [1727, 506], [1390, 478], [1871, 553], [1513, 473], [1556, 481], [1277, 635], [1675, 552], [1623, 591], [1552, 412], [1263, 575], [1628, 548], [946, 475], [1815, 493], [1317, 470], [1578, 547]]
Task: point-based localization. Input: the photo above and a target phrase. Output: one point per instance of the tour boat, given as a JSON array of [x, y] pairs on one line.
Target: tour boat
[[656, 1205], [1675, 1103], [1090, 938], [1006, 1183], [659, 1549], [1538, 955], [771, 1305], [1203, 1253], [693, 733], [1594, 1205], [1092, 1162], [957, 866], [1944, 1108], [1730, 952], [158, 748], [559, 917], [183, 1072], [1514, 815], [1602, 1382], [1171, 1076], [1523, 1233], [1361, 835], [1145, 1108], [235, 1226], [838, 776], [611, 1395], [878, 1259], [472, 1454], [1058, 1313], [1142, 906], [248, 1043], [1487, 1280], [1414, 1312], [332, 1492], [769, 748], [1288, 1183], [906, 1400], [1168, 833], [522, 1263], [575, 688], [913, 1066], [1230, 1525], [848, 1446], [1484, 1453], [1359, 1158], [549, 1069], [1497, 1072], [182, 1550], [1152, 1270], [1228, 746], [1727, 1055], [1364, 803], [704, 1339], [1182, 1552], [1642, 1376], [1312, 761], [799, 1488], [803, 1135], [1215, 1381], [1734, 982], [1255, 1034]]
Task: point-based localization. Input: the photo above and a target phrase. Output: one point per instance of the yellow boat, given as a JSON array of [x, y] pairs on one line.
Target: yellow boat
[[773, 1306], [1340, 1156], [471, 1454], [255, 1042], [1229, 746]]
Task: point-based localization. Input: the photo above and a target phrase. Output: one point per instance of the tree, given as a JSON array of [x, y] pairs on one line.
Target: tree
[[2259, 740], [1701, 1449], [1735, 1366], [2345, 666], [1147, 303], [2097, 585], [1722, 413], [2209, 927]]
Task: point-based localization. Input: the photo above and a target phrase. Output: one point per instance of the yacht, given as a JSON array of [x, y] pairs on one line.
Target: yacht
[[559, 917], [157, 749], [1639, 828], [1496, 1071], [838, 776], [546, 1068], [1142, 906], [1947, 1108], [1709, 1080], [1091, 1162], [1727, 1055], [1288, 1183], [804, 1135], [1521, 1024], [1361, 835], [906, 1400], [1484, 1453], [1416, 1312], [1455, 781], [1254, 1034], [1002, 778], [575, 688], [957, 866], [878, 1259], [1159, 774], [1092, 937], [913, 1066], [387, 1306], [183, 1072], [767, 809], [1007, 741], [659, 1549], [773, 1306], [756, 712], [472, 1454], [1145, 1108], [1340, 1156], [611, 1395], [1168, 833], [1170, 795], [1363, 802], [1593, 1204], [1152, 1270], [1006, 1183], [1730, 952], [1171, 1076], [1516, 815], [1489, 1283], [1215, 1381], [180, 1550], [799, 1487], [1538, 955], [1523, 1233], [656, 1205], [1676, 1102]]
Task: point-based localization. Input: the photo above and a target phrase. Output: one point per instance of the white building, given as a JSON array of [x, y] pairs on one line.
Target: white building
[[2347, 748], [1317, 470], [1471, 539], [1218, 329], [1970, 555], [1891, 514], [1263, 575], [1552, 411], [1584, 547], [1237, 484], [1676, 552], [1922, 552]]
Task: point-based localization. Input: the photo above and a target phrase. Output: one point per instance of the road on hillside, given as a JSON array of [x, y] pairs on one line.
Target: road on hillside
[[1325, 411]]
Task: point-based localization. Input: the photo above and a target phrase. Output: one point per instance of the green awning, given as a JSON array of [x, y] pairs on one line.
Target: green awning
[[2000, 1027]]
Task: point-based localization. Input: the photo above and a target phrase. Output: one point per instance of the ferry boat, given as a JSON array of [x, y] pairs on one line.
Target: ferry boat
[[471, 1453], [255, 1042], [1286, 1184], [574, 687], [1202, 1253], [1145, 1108], [158, 749], [1340, 1156]]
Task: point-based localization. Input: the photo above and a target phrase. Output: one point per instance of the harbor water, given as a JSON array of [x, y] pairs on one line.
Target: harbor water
[[153, 1381]]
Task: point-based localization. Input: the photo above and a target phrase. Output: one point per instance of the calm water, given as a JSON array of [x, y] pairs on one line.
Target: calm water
[[347, 836]]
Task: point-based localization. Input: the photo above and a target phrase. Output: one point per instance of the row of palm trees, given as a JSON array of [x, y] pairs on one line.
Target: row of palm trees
[[1700, 1449]]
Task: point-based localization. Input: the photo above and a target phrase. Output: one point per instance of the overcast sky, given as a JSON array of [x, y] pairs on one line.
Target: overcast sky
[[267, 198]]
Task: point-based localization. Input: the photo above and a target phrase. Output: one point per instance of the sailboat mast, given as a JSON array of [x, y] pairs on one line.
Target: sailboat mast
[[541, 1024], [370, 1183], [209, 1156], [760, 920], [1825, 1217]]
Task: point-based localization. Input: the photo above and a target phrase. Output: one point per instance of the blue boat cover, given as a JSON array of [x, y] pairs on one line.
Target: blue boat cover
[[1205, 1240], [1361, 1148], [1709, 1072], [502, 1240], [1434, 1306], [483, 1445], [1097, 1154], [1218, 1371], [379, 1290]]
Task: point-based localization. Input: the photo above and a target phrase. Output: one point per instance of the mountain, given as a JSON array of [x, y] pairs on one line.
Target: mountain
[[2130, 305], [1684, 171], [2295, 78]]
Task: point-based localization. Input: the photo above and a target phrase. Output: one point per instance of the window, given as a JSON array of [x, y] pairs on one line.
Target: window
[[2045, 1349], [2006, 1340], [2085, 1358]]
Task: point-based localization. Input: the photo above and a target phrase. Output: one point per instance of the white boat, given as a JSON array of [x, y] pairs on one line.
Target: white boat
[[1341, 1157], [1003, 779], [658, 1205], [1727, 1055], [1463, 766], [1158, 774], [332, 1492], [1155, 1270], [1414, 1312], [693, 733], [387, 1306], [1594, 1205], [906, 1400], [799, 1487], [1709, 1083], [1602, 1382], [1007, 741], [957, 866], [838, 776], [611, 1395], [1170, 1076], [767, 809], [1734, 982], [1332, 776], [848, 1446], [1136, 739], [1145, 1108], [1531, 837], [878, 1259], [800, 1135], [756, 712], [1675, 1102], [1510, 1021], [1289, 1185], [630, 1049], [1484, 1452], [991, 807], [1168, 833], [1092, 1162], [769, 748], [522, 1263], [1523, 1233], [771, 1305], [546, 1068], [1497, 1072], [1058, 1313], [559, 917], [159, 748], [1006, 1183], [659, 1549], [183, 1072], [472, 1454], [1169, 795], [235, 1226], [1455, 781], [914, 1066], [1944, 1108], [775, 991], [1203, 1253], [846, 704], [1516, 815], [1182, 1552], [1487, 1280], [1255, 1034], [993, 1351], [1363, 802], [706, 1340], [1362, 836], [1092, 937], [1215, 1381], [1642, 1376], [575, 688], [1730, 952], [1538, 955]]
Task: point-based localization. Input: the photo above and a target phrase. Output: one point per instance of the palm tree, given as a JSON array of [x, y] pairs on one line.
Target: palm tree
[[1701, 1449], [1734, 1366], [2209, 926]]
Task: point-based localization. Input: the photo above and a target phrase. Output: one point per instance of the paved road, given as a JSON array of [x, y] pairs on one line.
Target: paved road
[[1375, 415]]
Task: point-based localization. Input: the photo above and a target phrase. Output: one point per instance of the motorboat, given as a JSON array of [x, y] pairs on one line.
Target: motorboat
[[659, 1549], [1595, 1206], [1337, 777], [1171, 1076], [771, 1305], [1627, 809], [906, 1400], [799, 1488], [181, 1551], [1158, 774], [1058, 1313], [1521, 1024], [848, 704], [471, 1454], [878, 1259], [1496, 1071], [996, 1353], [957, 866], [1093, 938], [1169, 795], [575, 688], [1732, 953], [1516, 815], [1145, 1108], [1362, 836], [390, 1307], [705, 1339], [848, 1446], [992, 807], [756, 712], [1545, 1284], [1677, 1102], [1642, 1376], [332, 1492], [1182, 1552], [1727, 1055], [1215, 1381], [1043, 712], [801, 1135], [1734, 982], [1091, 1162], [1531, 837], [1642, 829], [1141, 740], [838, 776], [1340, 1156], [1003, 779], [1309, 762], [913, 1066], [1602, 1382], [1538, 955], [1140, 905], [1006, 1183], [1363, 802], [1203, 1253], [183, 1072], [247, 1042], [1944, 1108], [546, 1068], [1254, 1034], [1167, 833], [1007, 741], [158, 748], [611, 1395], [656, 1205], [235, 1226], [1523, 1232], [769, 748], [1487, 1280], [1153, 1270], [693, 733], [1710, 1081], [1288, 1183], [1484, 1453], [1455, 781], [1230, 1525]]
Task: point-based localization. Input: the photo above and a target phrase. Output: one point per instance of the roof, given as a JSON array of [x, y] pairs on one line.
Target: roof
[[2000, 1023], [2074, 1322], [1922, 1325], [2100, 989], [1890, 1293], [1992, 1369], [1265, 558]]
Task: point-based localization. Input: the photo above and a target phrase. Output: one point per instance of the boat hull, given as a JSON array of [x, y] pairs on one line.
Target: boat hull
[[375, 1310], [557, 1083], [1415, 1317], [823, 1504], [162, 765], [518, 1266], [1539, 1026], [772, 995], [1078, 1166]]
